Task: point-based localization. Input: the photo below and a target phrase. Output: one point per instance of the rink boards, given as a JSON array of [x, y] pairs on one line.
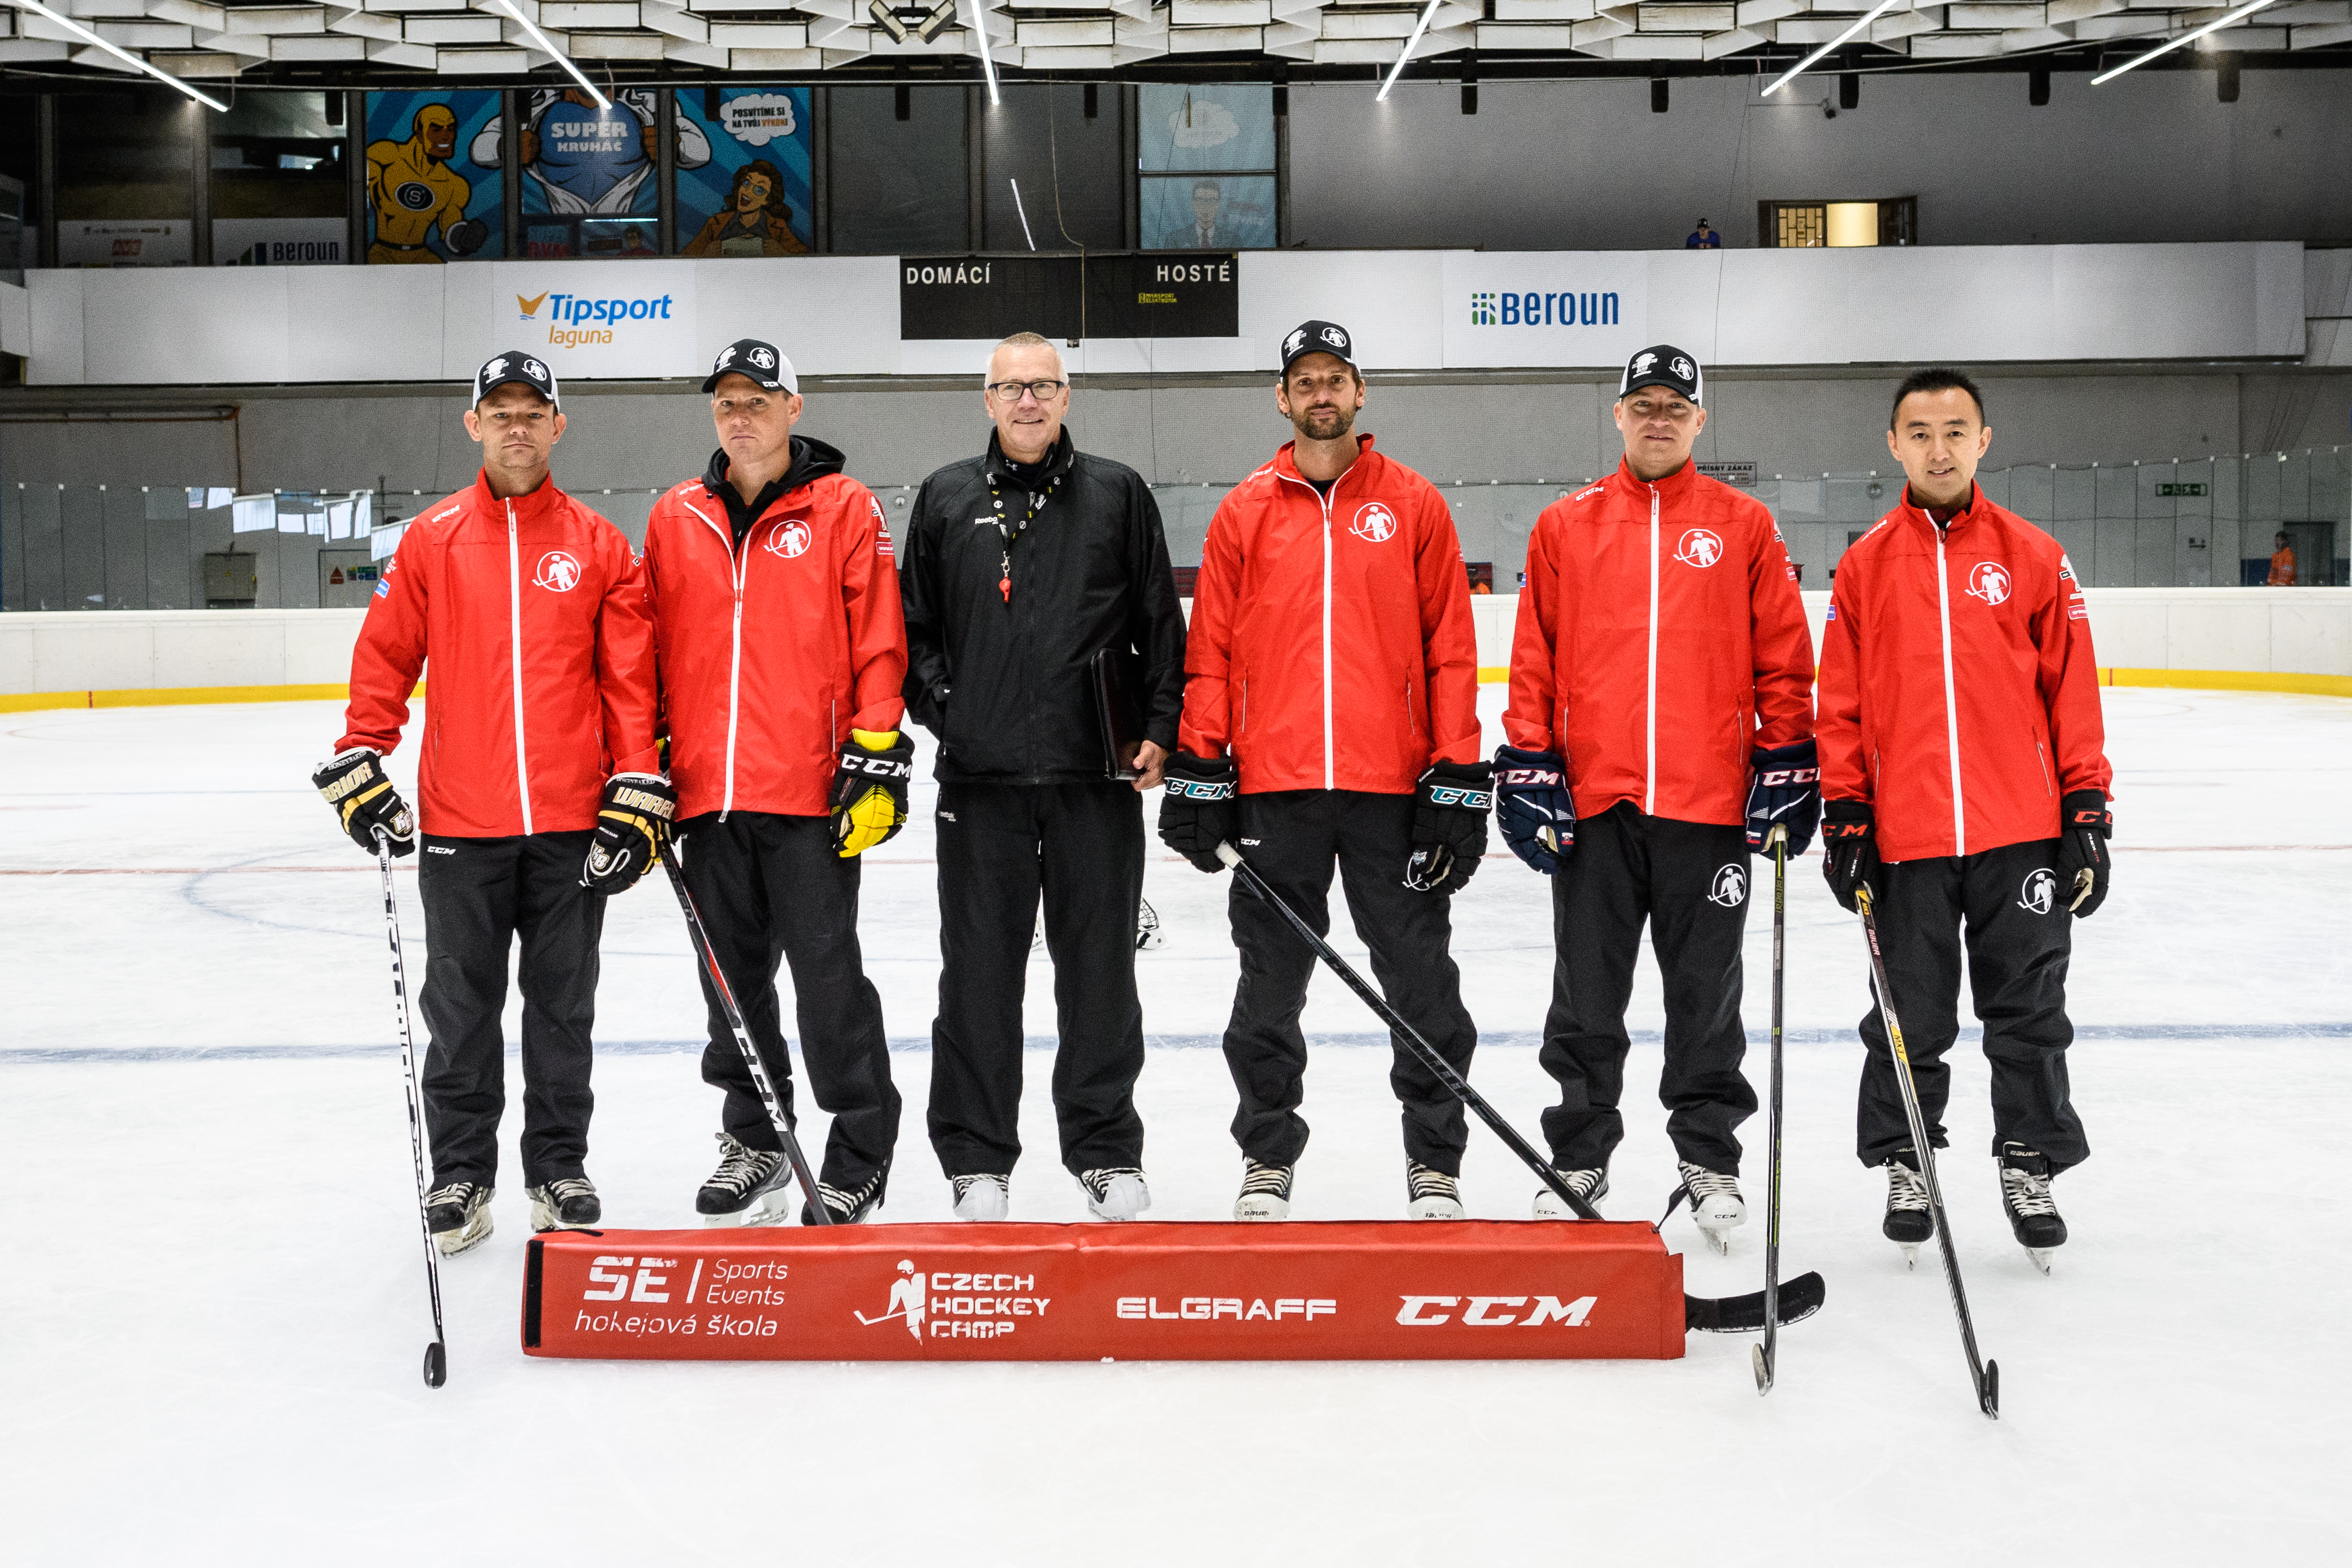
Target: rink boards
[[1350, 1291]]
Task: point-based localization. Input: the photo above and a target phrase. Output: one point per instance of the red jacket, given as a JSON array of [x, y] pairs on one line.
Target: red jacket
[[1660, 639], [532, 611], [772, 651], [1330, 645], [1959, 696]]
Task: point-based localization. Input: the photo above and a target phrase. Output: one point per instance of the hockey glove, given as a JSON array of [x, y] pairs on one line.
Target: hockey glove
[[1197, 810], [2084, 829], [869, 790], [356, 785], [1786, 788], [1532, 803], [1849, 849], [1449, 825], [632, 829]]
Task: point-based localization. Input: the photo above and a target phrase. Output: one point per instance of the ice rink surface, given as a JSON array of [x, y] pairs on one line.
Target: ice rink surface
[[212, 1333]]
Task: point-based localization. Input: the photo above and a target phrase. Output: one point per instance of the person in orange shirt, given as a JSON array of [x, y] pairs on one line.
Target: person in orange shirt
[[2282, 565]]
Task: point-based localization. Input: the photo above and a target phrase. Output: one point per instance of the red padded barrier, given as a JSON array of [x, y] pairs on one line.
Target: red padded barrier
[[1478, 1290]]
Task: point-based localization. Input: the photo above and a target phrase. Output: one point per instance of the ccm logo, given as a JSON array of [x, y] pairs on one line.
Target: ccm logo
[[1192, 789], [1429, 1311], [1777, 778], [614, 1274], [1453, 794]]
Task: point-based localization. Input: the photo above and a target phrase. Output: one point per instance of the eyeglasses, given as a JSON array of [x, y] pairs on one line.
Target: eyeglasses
[[1011, 391]]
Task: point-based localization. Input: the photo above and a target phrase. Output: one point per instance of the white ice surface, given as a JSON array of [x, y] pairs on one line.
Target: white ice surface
[[209, 1343]]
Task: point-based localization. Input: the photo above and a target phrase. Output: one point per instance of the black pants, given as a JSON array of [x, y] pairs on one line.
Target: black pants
[[769, 888], [1001, 846], [1689, 880], [480, 894], [1293, 838], [2019, 934]]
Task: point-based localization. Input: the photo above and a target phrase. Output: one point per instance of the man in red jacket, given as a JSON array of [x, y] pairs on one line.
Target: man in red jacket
[[538, 782], [1660, 726], [1331, 715], [1965, 784], [775, 604]]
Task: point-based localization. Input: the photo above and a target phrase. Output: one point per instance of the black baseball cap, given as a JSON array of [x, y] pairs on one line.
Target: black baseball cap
[[1662, 364], [758, 362], [1317, 338], [517, 368]]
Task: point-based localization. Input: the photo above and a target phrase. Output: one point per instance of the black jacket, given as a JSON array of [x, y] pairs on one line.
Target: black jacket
[[812, 459], [1007, 684]]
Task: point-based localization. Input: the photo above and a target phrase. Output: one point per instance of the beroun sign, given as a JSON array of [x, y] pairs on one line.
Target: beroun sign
[[592, 319], [1191, 294], [1544, 306]]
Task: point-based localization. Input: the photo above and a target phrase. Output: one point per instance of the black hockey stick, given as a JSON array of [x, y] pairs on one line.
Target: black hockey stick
[[437, 1355], [1724, 1315], [1983, 1374], [1766, 1354], [709, 957]]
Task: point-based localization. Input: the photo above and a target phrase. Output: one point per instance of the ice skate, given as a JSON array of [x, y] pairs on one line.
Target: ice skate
[[2025, 1194], [567, 1203], [982, 1197], [458, 1216], [1265, 1191], [1116, 1193], [751, 1186], [1717, 1207], [1908, 1222], [1430, 1195], [1592, 1184], [1146, 927], [853, 1206]]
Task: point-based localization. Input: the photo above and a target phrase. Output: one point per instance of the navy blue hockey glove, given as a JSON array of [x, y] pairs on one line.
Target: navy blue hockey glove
[[632, 829], [1532, 803], [1197, 811], [1786, 788], [1449, 825], [2084, 829], [356, 785], [1849, 849]]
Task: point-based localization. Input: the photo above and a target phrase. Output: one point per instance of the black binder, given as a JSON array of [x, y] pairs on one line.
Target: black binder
[[1118, 706]]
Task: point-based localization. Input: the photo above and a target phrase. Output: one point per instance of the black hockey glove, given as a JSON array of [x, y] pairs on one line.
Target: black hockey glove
[[2084, 829], [1786, 788], [1532, 803], [356, 785], [1849, 849], [632, 829], [869, 790], [1449, 825], [1197, 811]]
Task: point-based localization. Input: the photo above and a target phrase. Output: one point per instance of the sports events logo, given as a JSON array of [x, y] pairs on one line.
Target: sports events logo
[[1375, 523], [1989, 581], [558, 571], [1700, 547], [789, 538], [1730, 888], [2040, 894]]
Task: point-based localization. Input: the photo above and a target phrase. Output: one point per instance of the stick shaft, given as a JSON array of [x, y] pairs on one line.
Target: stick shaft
[[1772, 1122], [408, 1077]]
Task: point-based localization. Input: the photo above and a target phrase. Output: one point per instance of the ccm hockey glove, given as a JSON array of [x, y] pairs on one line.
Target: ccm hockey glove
[[1197, 811], [1849, 849], [2084, 829], [632, 830], [1532, 803], [1449, 825], [869, 790], [355, 784], [1786, 788]]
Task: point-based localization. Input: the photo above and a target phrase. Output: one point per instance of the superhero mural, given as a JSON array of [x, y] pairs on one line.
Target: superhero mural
[[426, 202], [751, 196], [589, 174]]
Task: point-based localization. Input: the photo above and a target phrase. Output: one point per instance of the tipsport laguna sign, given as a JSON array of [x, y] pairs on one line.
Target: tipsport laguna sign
[[598, 320]]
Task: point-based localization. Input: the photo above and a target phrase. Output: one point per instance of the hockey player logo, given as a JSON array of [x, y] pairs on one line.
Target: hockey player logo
[[558, 571], [1989, 582], [2040, 892], [1290, 345], [535, 371], [1337, 338], [1730, 888], [1682, 367], [1375, 523], [1642, 362], [762, 359], [788, 538], [1700, 547], [906, 1300]]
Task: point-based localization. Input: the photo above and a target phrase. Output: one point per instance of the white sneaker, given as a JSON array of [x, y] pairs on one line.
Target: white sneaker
[[982, 1197], [1716, 1207], [1265, 1191], [1117, 1193], [1591, 1184], [1430, 1195]]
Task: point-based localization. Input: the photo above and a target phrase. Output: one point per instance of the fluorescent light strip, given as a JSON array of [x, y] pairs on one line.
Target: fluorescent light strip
[[1397, 69], [70, 25], [547, 47], [2214, 26], [1814, 59], [980, 25]]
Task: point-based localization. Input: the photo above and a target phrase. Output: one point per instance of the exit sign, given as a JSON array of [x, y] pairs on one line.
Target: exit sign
[[2181, 490]]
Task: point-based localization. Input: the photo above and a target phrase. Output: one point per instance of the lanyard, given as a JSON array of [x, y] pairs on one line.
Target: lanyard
[[1011, 530]]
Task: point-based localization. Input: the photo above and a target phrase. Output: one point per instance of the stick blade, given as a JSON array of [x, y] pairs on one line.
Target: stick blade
[[1799, 1298], [1763, 1369], [437, 1365], [1989, 1391]]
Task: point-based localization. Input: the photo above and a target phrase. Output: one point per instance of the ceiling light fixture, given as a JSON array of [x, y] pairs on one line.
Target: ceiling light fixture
[[2214, 26], [925, 25], [1860, 23], [1397, 69], [79, 31], [979, 27], [546, 45]]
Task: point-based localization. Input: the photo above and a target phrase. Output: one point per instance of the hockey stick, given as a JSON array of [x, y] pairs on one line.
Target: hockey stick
[[1767, 1353], [709, 957], [1715, 1315], [1984, 1375], [437, 1355]]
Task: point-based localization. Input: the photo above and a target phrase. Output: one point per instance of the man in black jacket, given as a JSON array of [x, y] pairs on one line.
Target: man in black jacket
[[1020, 565]]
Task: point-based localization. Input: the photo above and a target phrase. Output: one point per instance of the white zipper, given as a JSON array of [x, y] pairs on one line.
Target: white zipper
[[514, 613], [1323, 499], [1650, 718], [1951, 697], [735, 656]]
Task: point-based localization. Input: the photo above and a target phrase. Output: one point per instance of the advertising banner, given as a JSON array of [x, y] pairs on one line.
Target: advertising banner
[[1124, 295], [1548, 308], [123, 242], [588, 174], [432, 194], [281, 241], [746, 191], [598, 322]]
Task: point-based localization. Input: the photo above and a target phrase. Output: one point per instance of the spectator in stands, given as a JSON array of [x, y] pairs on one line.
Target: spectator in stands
[[1702, 238], [2282, 564]]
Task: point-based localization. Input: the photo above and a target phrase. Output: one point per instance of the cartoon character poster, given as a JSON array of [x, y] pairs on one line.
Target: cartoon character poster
[[1208, 166], [428, 200], [752, 196], [589, 174]]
